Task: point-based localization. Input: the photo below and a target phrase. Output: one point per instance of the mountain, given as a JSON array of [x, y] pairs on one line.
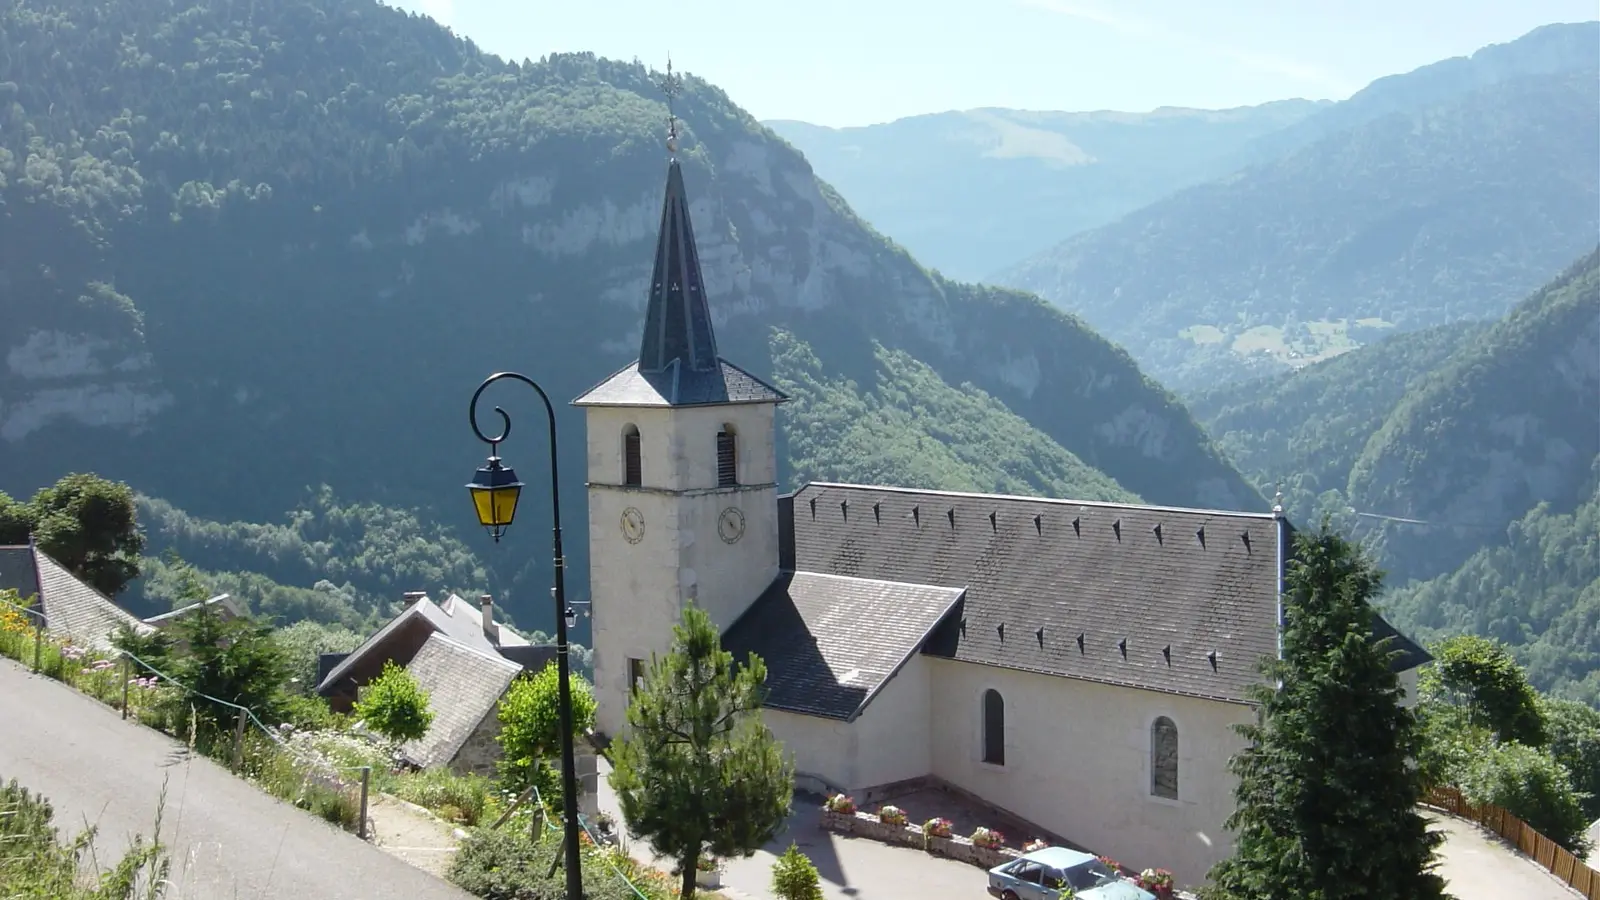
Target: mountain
[[1451, 210], [247, 250], [1466, 457], [973, 192], [1507, 423]]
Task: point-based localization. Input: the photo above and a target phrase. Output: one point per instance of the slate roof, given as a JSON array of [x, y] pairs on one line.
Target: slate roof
[[1150, 607], [678, 363], [70, 607], [460, 620], [1411, 653], [821, 658], [727, 383], [229, 607], [464, 685]]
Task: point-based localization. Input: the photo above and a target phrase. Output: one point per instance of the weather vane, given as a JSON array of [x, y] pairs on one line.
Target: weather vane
[[672, 86]]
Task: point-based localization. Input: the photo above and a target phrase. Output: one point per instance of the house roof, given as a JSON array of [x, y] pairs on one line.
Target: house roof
[[70, 607], [456, 618], [821, 661], [463, 686], [678, 363], [1176, 600], [1411, 654]]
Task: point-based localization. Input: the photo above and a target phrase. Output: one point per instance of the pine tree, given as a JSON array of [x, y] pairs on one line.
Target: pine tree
[[1327, 792], [697, 771]]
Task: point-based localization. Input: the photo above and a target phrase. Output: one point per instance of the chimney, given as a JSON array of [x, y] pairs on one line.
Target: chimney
[[491, 631], [411, 597]]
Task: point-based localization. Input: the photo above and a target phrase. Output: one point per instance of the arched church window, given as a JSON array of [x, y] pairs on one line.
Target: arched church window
[[1164, 758], [727, 458], [994, 728], [632, 464]]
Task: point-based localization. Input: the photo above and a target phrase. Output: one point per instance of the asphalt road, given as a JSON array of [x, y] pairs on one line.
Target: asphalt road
[[229, 840]]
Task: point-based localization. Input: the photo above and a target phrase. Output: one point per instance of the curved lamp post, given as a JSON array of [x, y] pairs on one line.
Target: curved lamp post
[[495, 490]]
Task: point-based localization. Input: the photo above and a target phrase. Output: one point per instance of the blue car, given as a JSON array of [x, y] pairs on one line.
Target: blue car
[[1056, 873]]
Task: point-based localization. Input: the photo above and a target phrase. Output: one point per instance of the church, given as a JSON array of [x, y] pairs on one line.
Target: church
[[1079, 665]]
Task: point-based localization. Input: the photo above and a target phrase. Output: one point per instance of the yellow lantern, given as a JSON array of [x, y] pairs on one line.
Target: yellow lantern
[[495, 490]]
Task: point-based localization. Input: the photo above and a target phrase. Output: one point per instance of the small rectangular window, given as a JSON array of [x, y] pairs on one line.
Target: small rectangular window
[[632, 467], [727, 461], [635, 674]]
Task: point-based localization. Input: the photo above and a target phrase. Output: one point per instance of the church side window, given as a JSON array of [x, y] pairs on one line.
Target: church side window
[[635, 674], [994, 728], [727, 458], [1164, 758], [632, 464]]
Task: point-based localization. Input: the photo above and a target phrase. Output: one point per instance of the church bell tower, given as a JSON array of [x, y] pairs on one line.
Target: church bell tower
[[682, 472]]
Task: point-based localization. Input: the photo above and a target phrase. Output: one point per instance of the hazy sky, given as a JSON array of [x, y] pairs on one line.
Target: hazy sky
[[856, 62]]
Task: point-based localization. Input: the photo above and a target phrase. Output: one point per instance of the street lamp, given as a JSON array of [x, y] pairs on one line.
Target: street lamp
[[495, 490]]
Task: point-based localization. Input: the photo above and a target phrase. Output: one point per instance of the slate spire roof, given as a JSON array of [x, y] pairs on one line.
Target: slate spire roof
[[677, 322], [678, 363]]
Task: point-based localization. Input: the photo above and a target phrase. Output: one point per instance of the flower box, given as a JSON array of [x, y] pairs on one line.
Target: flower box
[[709, 880]]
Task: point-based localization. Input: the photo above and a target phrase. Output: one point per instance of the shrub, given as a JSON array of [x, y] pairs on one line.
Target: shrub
[[841, 804], [892, 815], [394, 706], [794, 877], [37, 863], [456, 798], [987, 837], [937, 827], [1533, 787], [507, 865]]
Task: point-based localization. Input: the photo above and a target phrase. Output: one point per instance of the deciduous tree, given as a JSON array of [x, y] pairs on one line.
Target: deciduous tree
[[530, 726], [698, 772], [1327, 793], [394, 705], [1482, 675], [84, 522]]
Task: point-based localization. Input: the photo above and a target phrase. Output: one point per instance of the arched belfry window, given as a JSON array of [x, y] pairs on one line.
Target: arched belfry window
[[994, 728], [632, 464], [727, 457], [1164, 758]]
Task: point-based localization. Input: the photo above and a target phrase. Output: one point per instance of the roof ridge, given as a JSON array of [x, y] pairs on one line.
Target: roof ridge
[[920, 584], [1059, 501]]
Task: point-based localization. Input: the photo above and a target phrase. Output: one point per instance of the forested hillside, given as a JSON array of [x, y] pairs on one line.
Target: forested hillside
[[1465, 457], [251, 249], [1450, 210], [974, 192]]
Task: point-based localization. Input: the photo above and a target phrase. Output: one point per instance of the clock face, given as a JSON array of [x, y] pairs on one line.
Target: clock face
[[633, 525], [730, 525]]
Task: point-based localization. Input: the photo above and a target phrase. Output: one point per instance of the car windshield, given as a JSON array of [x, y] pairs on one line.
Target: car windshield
[[1089, 875]]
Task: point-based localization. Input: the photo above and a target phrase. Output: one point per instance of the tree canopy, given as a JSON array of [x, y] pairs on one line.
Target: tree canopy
[[86, 523]]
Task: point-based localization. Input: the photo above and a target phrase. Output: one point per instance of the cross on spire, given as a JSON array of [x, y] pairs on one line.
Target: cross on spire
[[672, 86]]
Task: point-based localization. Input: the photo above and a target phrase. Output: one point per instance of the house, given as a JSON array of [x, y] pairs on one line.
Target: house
[[465, 661], [72, 610], [224, 604], [341, 675], [1076, 665]]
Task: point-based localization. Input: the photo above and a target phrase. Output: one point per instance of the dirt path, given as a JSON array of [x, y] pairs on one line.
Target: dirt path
[[413, 834], [1479, 866]]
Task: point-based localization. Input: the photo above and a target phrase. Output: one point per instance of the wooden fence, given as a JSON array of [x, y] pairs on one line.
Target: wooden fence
[[1540, 849]]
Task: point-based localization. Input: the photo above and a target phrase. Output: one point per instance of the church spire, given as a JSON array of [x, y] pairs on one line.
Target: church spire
[[677, 322]]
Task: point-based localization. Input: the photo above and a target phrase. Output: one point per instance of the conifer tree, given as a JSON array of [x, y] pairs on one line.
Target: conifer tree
[[1327, 792], [698, 773]]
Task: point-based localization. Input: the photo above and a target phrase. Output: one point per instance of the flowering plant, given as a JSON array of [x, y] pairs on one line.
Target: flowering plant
[[987, 837], [707, 864], [1156, 881], [1035, 844], [1112, 864], [892, 815], [937, 827], [839, 803]]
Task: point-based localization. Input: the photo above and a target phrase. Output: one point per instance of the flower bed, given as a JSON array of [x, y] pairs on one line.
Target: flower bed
[[933, 836]]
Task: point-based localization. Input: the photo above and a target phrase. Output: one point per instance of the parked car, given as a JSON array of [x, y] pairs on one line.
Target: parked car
[[1055, 873]]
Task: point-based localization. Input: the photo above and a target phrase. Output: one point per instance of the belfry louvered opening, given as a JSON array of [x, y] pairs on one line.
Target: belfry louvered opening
[[632, 463], [727, 457]]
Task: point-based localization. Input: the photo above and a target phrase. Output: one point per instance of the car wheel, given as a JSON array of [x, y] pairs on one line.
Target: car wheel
[[1008, 895]]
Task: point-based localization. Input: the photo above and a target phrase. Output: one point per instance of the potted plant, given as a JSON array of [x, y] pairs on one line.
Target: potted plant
[[892, 815], [1111, 864], [1158, 882], [988, 838], [937, 827], [841, 804], [708, 872], [1035, 844]]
